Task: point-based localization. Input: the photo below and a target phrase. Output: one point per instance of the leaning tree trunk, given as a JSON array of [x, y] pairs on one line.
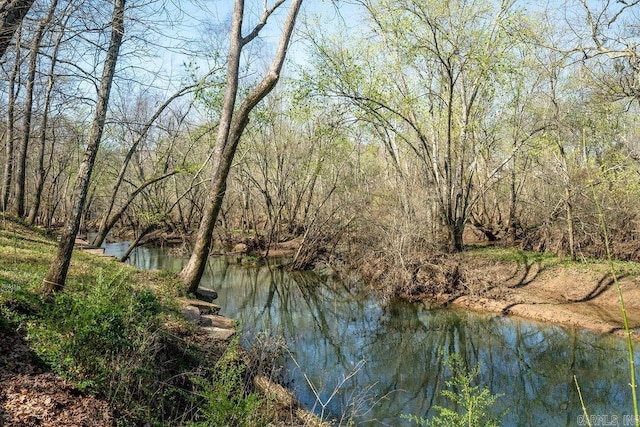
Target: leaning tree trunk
[[231, 127], [11, 14], [57, 275], [107, 224]]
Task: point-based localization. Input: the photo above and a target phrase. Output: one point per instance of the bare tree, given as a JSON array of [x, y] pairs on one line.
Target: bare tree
[[446, 64], [108, 220], [41, 172], [232, 124], [21, 163], [10, 134], [57, 274]]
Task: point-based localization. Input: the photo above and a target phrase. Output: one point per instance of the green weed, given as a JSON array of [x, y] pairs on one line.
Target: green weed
[[101, 339], [474, 401], [223, 399]]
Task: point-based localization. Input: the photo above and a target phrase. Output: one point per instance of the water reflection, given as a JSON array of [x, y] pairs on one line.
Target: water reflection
[[330, 329]]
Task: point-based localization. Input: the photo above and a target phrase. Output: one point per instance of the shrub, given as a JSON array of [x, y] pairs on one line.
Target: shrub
[[101, 337], [223, 399], [475, 401]]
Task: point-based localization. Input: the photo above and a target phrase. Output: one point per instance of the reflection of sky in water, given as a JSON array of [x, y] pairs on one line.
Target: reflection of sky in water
[[330, 330]]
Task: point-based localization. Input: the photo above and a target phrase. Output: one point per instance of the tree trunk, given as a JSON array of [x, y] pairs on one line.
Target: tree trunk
[[456, 231], [570, 220], [108, 223], [40, 170], [133, 245], [11, 102], [11, 14], [57, 274], [513, 227], [21, 163], [231, 127]]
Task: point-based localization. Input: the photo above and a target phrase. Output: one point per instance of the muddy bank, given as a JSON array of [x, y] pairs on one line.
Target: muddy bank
[[573, 296], [581, 295]]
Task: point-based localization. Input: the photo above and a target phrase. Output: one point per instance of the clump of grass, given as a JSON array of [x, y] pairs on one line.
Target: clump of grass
[[223, 398], [474, 401]]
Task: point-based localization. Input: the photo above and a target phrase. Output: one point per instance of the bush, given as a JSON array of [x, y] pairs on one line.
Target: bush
[[224, 400], [102, 337], [475, 401]]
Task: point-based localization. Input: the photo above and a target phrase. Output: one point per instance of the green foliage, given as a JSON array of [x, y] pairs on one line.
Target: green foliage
[[94, 337], [499, 253], [223, 399], [473, 400]]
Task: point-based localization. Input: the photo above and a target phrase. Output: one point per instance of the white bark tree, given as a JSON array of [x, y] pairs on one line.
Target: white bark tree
[[57, 274], [232, 124]]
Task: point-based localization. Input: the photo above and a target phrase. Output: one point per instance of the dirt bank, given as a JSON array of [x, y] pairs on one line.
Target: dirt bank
[[576, 295], [507, 281]]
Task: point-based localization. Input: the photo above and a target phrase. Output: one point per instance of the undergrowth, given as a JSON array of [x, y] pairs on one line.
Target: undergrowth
[[116, 332], [103, 337], [223, 397]]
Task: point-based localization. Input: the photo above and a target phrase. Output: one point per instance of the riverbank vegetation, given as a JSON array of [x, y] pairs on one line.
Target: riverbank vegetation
[[112, 349], [412, 143], [394, 147]]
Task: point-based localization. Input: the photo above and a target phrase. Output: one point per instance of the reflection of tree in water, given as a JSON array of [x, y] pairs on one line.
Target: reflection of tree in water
[[329, 329], [531, 365]]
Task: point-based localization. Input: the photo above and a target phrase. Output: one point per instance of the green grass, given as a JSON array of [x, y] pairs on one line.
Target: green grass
[[114, 331], [499, 253], [549, 261]]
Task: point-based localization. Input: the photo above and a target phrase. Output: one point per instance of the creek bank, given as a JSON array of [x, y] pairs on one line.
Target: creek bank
[[534, 286], [142, 359], [575, 295]]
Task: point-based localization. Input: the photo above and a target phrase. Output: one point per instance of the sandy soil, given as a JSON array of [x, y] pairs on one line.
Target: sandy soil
[[573, 296]]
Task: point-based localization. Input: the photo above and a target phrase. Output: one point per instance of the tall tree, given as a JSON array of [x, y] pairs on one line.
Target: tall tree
[[432, 80], [44, 130], [232, 124], [21, 161], [13, 88], [12, 13], [57, 274]]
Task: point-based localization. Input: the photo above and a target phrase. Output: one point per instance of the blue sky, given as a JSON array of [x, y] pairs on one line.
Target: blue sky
[[197, 19]]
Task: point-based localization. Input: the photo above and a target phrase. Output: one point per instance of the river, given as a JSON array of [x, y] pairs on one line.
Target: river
[[353, 356]]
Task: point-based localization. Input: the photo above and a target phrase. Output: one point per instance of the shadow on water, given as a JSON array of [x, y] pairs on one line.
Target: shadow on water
[[330, 329]]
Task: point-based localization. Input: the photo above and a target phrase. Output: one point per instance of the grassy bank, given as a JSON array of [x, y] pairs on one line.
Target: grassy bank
[[112, 345]]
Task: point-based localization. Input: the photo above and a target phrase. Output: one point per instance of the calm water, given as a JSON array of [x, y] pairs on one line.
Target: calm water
[[377, 361]]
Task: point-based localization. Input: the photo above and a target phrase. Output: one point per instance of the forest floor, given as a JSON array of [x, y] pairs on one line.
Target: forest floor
[[545, 288], [31, 396]]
